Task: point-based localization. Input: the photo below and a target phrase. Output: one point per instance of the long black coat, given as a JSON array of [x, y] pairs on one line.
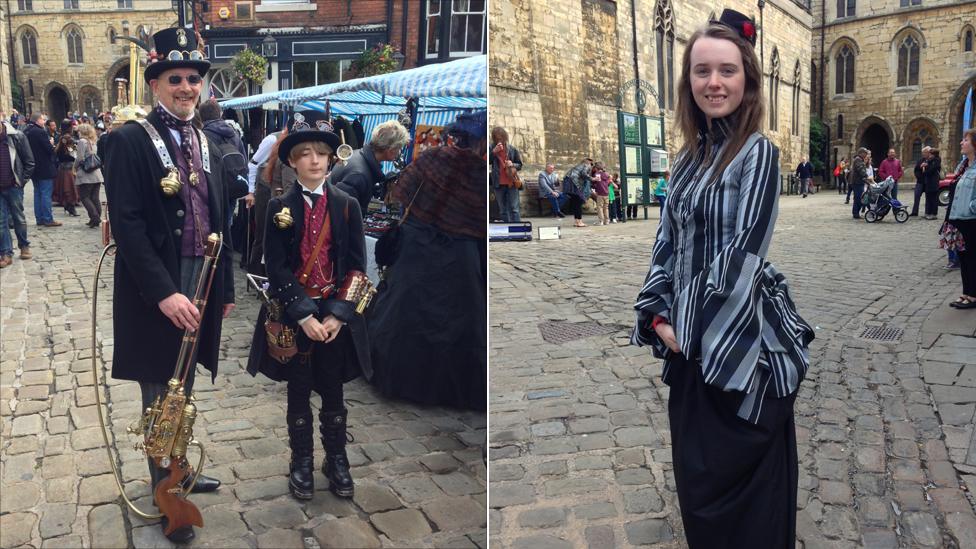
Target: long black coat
[[147, 266], [45, 166], [282, 257]]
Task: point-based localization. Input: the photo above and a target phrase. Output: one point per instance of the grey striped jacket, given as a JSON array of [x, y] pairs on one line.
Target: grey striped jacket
[[731, 309]]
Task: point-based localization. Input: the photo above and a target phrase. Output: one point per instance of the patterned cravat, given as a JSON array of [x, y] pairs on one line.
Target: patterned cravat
[[185, 127]]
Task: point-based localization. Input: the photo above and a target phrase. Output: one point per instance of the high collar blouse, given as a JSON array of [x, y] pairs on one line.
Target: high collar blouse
[[730, 308]]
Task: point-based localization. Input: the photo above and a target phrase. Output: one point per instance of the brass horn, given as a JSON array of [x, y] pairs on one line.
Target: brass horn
[[167, 425]]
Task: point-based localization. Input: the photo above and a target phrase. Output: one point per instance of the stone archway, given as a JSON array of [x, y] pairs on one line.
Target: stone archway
[[919, 133], [875, 135], [954, 115], [58, 103]]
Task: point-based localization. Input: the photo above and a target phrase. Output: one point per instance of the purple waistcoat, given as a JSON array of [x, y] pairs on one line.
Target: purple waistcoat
[[196, 222]]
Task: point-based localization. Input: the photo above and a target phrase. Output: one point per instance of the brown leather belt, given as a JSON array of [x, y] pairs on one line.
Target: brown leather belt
[[324, 293]]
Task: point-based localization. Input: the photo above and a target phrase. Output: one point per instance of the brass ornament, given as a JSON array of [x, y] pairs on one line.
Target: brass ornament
[[194, 179], [181, 38], [170, 183], [283, 219]]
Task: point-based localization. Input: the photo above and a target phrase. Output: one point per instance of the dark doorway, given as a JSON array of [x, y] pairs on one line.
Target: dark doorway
[[58, 104], [876, 140]]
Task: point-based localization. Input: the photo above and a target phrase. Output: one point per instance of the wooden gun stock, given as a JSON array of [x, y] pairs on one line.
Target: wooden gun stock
[[170, 498]]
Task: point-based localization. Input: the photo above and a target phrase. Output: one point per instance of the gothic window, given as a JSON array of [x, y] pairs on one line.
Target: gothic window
[[845, 70], [908, 62], [25, 5], [75, 54], [846, 8], [967, 40], [664, 35], [840, 126], [774, 91], [28, 43], [921, 140], [796, 98]]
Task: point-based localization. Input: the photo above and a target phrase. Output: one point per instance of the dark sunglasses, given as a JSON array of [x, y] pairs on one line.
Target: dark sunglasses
[[176, 80]]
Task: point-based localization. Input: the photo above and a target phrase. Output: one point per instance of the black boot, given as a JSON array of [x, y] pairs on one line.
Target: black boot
[[300, 480], [336, 465]]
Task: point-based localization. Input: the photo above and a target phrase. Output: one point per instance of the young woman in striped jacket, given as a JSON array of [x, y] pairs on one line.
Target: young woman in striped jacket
[[718, 313]]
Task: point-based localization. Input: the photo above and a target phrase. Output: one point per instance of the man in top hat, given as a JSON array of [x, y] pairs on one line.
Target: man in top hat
[[161, 233], [314, 251]]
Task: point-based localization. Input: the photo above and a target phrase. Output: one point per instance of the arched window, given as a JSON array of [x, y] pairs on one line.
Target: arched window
[[28, 43], [796, 98], [75, 54], [845, 70], [774, 91], [664, 35], [921, 140], [967, 39], [908, 62]]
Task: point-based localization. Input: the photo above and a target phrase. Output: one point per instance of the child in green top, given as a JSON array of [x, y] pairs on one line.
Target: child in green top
[[661, 190]]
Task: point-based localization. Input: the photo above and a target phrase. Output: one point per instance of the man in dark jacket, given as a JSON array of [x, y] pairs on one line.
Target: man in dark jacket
[[931, 173], [363, 171], [859, 178], [804, 171], [161, 236], [16, 167], [45, 168]]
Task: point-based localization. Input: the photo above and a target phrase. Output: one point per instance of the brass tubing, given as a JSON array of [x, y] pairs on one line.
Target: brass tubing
[[208, 263], [98, 399]]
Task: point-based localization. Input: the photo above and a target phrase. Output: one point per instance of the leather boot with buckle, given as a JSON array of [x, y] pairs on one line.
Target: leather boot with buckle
[[301, 483], [336, 465]]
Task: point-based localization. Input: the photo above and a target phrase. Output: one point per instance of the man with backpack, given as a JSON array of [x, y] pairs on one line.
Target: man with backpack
[[232, 153]]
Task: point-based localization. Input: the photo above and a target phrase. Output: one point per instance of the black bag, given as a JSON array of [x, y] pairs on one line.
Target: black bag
[[388, 245], [91, 163]]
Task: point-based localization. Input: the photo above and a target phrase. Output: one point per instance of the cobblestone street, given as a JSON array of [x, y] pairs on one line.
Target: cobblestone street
[[580, 447], [420, 476]]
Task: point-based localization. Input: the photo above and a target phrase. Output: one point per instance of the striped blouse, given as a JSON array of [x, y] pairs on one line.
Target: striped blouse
[[731, 310]]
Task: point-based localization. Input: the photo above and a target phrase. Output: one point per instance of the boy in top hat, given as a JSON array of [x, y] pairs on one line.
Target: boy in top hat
[[314, 250]]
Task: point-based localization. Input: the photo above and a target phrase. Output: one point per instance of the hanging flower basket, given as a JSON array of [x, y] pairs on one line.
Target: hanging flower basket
[[248, 65], [377, 60]]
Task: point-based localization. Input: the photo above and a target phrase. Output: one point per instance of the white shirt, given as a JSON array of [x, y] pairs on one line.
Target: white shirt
[[260, 155]]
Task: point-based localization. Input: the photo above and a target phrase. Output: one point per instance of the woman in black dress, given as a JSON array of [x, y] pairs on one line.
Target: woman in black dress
[[718, 313]]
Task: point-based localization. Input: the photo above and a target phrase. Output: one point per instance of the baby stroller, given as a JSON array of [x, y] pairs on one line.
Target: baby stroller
[[878, 202]]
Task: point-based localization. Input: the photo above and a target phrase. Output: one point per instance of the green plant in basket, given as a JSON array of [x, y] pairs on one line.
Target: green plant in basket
[[249, 65], [377, 60]]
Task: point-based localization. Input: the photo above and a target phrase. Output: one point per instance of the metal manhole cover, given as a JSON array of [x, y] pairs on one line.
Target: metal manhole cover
[[881, 333], [561, 332]]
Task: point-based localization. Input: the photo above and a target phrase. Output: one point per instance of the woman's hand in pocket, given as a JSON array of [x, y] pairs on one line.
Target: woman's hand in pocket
[[666, 332]]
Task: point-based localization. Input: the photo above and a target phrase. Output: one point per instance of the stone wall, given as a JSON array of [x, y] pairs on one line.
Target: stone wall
[[945, 71], [6, 100], [101, 59], [556, 68]]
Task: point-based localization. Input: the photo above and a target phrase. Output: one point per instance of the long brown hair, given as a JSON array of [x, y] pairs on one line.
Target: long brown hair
[[273, 157], [748, 117]]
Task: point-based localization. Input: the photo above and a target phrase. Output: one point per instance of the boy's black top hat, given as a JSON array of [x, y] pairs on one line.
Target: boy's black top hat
[[175, 48], [740, 23], [307, 126]]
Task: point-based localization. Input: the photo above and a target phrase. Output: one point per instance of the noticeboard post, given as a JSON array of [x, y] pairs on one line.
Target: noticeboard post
[[643, 157]]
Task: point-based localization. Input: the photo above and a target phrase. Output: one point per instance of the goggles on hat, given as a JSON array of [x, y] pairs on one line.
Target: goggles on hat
[[178, 55]]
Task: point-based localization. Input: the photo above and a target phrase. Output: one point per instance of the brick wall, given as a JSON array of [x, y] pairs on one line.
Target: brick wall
[[327, 13]]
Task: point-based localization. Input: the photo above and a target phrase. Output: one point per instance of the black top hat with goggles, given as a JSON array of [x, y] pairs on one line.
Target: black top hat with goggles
[[745, 26], [307, 126], [175, 48]]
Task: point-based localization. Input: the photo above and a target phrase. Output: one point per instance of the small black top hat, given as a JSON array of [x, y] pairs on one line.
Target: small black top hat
[[740, 23], [307, 126], [175, 48]]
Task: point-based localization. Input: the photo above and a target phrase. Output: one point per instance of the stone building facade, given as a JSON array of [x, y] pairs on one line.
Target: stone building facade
[[557, 68], [893, 74], [66, 55], [6, 99]]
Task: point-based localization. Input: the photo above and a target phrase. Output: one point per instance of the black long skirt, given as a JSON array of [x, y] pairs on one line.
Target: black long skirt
[[736, 481], [428, 324]]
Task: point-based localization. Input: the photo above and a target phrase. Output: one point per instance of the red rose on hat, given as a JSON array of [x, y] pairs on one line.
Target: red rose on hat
[[748, 29]]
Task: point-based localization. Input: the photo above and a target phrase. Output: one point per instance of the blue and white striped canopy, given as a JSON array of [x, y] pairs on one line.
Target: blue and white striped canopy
[[442, 83]]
